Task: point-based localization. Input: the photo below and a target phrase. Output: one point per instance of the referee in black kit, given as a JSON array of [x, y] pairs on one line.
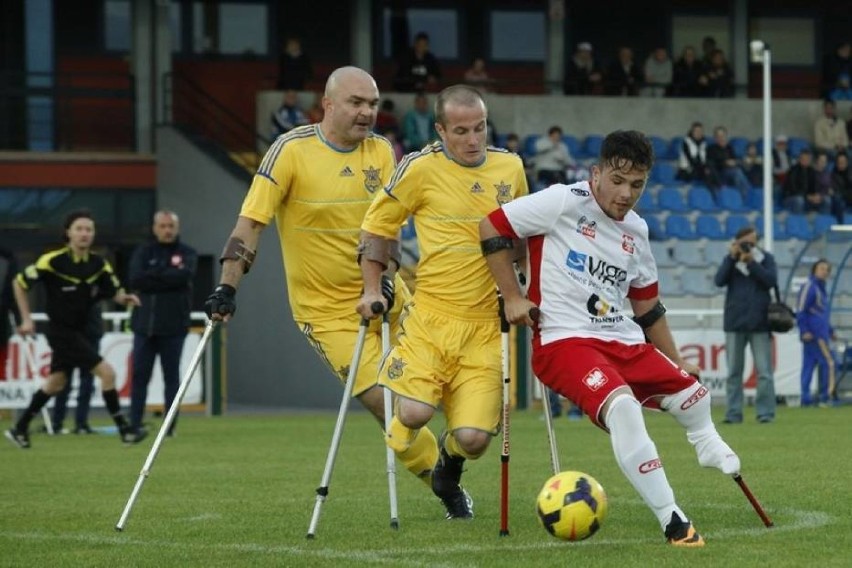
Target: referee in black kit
[[75, 279]]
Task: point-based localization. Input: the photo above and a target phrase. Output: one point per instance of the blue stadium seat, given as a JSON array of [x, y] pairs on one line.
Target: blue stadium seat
[[669, 282], [674, 147], [573, 145], [798, 227], [709, 227], [663, 172], [795, 146], [715, 252], [779, 233], [661, 147], [738, 144], [646, 203], [679, 227], [699, 283], [529, 144], [698, 197], [823, 223], [592, 145], [655, 228], [500, 140], [661, 255], [734, 223], [670, 199], [687, 253], [731, 199], [755, 198]]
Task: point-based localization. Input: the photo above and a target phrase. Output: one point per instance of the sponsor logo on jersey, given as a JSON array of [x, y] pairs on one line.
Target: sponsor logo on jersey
[[650, 466], [602, 312], [576, 260], [586, 227], [343, 372], [627, 244], [595, 379], [372, 179], [606, 273], [579, 191], [504, 192], [346, 172], [396, 368], [696, 396], [476, 188]]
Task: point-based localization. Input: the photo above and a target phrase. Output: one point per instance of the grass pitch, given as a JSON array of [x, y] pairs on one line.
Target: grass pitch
[[239, 491]]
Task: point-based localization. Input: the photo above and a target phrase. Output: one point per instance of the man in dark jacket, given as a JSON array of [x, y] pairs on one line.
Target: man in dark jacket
[[161, 271], [750, 274]]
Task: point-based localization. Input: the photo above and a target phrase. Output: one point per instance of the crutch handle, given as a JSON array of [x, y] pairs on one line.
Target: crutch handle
[[377, 307], [535, 314]]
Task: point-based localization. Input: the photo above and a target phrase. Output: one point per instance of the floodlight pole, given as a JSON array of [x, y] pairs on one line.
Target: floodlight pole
[[768, 220]]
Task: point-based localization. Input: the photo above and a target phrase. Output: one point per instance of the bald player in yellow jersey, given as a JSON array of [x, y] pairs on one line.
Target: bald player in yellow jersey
[[449, 351], [317, 182]]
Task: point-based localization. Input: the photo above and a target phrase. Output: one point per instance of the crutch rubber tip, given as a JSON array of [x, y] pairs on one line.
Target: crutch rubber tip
[[394, 524], [504, 532], [310, 536], [118, 528]]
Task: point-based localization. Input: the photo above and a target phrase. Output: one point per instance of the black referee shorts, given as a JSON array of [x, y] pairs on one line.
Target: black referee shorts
[[71, 350]]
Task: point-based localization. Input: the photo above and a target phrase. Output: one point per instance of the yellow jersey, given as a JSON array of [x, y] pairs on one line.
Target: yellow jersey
[[447, 201], [318, 195]]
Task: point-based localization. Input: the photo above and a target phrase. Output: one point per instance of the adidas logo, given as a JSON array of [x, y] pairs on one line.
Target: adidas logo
[[347, 172], [476, 188]]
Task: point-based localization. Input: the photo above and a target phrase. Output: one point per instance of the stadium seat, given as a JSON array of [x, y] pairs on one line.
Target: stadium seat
[[670, 199], [698, 197], [669, 282], [755, 198], [731, 199], [573, 146], [674, 147], [738, 144], [679, 227], [696, 282], [687, 253], [646, 203], [798, 227], [734, 223], [529, 144], [823, 223], [715, 252], [663, 172], [779, 233], [592, 145], [655, 228], [709, 227], [795, 146], [661, 147], [661, 255]]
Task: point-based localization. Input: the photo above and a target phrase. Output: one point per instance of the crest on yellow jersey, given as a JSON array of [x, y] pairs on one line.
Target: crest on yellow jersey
[[395, 369], [372, 179], [504, 192]]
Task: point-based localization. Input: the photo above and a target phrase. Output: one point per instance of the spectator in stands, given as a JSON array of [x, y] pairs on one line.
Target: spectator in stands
[[718, 78], [829, 131], [583, 76], [692, 156], [418, 125], [386, 117], [780, 161], [813, 318], [708, 47], [623, 76], [658, 74], [8, 307], [834, 65], [686, 74], [841, 185], [294, 67], [800, 182], [478, 77], [843, 90], [723, 163], [749, 273], [513, 144], [418, 69], [753, 165], [289, 115], [552, 158]]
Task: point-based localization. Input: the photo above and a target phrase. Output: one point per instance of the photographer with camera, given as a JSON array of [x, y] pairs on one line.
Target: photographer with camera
[[749, 272]]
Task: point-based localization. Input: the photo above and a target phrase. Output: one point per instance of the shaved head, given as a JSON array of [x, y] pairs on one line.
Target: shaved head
[[342, 77], [350, 103], [166, 226]]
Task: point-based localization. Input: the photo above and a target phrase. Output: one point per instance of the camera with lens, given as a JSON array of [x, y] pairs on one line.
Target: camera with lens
[[746, 247]]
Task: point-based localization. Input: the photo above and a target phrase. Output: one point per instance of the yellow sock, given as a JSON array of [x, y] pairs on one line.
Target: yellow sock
[[417, 450]]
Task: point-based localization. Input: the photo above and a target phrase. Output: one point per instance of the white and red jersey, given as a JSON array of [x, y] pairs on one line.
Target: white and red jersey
[[583, 264]]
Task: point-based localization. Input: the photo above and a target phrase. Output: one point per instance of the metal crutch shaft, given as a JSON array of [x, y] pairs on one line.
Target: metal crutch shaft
[[170, 417], [504, 451], [389, 454]]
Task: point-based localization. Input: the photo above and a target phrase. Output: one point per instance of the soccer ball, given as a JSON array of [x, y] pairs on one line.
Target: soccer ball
[[571, 505]]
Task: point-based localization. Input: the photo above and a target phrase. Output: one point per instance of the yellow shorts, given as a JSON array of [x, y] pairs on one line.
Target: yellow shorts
[[449, 360], [334, 342]]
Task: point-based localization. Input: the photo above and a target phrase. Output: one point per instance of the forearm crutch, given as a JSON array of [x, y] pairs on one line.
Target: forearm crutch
[[391, 457], [167, 423], [754, 502], [504, 453], [551, 435], [322, 490], [28, 347]]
